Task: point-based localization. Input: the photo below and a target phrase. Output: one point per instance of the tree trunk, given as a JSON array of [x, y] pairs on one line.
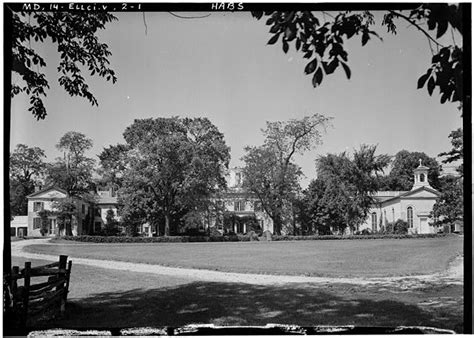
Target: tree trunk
[[277, 222], [167, 224], [69, 226]]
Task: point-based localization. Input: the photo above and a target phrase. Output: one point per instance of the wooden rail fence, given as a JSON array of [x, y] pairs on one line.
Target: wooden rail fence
[[38, 300]]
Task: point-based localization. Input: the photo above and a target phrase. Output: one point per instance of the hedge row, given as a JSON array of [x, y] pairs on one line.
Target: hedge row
[[234, 238], [336, 237], [161, 239]]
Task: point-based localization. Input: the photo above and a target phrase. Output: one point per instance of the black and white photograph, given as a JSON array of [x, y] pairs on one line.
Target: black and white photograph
[[236, 168]]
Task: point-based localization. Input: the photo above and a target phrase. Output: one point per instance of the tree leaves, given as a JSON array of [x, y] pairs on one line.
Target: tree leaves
[[273, 39], [318, 77], [346, 69], [311, 66], [431, 85], [422, 80], [327, 41], [77, 44]]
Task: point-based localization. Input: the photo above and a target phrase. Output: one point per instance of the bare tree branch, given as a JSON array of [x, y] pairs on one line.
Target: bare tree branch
[[189, 17], [144, 22], [400, 15]]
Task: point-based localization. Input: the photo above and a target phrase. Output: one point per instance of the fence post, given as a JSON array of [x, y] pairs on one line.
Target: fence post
[[14, 277], [62, 266], [26, 294]]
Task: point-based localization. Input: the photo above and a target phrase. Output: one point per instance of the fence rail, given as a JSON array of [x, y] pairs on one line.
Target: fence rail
[[32, 299]]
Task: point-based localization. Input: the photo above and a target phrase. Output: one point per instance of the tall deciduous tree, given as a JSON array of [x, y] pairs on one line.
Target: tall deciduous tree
[[450, 206], [72, 171], [348, 185], [78, 45], [269, 172], [457, 153], [401, 176], [173, 164], [65, 210], [26, 169], [113, 162]]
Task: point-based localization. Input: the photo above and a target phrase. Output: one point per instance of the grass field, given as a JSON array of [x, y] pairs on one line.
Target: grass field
[[338, 258], [103, 298]]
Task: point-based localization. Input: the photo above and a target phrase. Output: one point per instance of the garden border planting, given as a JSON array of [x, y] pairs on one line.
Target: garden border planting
[[235, 238]]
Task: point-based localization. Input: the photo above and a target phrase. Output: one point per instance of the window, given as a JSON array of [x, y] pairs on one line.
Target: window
[[36, 223], [83, 209], [422, 177], [38, 206], [410, 217], [239, 206], [374, 221]]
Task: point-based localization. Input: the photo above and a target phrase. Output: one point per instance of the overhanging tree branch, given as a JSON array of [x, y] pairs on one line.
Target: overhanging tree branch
[[421, 29]]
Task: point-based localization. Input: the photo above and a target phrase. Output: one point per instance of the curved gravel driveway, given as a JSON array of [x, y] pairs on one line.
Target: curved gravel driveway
[[454, 274]]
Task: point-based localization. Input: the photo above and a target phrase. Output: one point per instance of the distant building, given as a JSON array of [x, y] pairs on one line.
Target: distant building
[[44, 200], [107, 200], [237, 204], [90, 217], [19, 226], [412, 206]]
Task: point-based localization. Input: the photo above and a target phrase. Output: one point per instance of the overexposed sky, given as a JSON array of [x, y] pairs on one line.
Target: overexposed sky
[[220, 67]]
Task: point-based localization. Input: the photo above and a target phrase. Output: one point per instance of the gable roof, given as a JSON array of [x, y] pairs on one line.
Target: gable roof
[[42, 191], [412, 192]]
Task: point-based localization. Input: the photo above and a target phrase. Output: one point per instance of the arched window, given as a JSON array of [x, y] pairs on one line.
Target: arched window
[[422, 177], [410, 217], [374, 221]]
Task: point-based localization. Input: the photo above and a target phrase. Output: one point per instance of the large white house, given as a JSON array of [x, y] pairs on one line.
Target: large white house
[[242, 204], [412, 206], [89, 217]]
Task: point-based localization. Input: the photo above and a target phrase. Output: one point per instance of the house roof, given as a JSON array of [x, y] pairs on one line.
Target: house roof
[[408, 193], [42, 191], [19, 220]]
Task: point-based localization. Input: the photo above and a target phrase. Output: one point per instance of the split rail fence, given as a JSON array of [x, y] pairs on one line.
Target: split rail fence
[[43, 292]]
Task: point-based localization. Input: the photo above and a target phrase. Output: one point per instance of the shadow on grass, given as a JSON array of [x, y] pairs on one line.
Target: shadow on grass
[[240, 304]]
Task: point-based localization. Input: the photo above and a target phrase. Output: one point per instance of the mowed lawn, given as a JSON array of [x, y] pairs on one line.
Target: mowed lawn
[[332, 258], [107, 298]]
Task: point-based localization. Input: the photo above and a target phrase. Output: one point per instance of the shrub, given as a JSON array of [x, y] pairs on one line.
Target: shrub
[[236, 238], [364, 232], [267, 235]]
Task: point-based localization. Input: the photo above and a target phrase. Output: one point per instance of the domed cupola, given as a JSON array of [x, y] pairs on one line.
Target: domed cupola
[[421, 177]]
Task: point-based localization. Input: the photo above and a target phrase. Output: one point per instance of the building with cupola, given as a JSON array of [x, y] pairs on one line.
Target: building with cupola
[[413, 206]]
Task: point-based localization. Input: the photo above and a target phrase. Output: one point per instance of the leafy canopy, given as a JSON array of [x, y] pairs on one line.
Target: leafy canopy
[[173, 165], [73, 171], [269, 172], [320, 37], [401, 176], [79, 48], [27, 167], [345, 187]]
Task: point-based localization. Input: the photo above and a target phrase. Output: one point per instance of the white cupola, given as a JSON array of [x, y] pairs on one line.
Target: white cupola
[[421, 177]]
